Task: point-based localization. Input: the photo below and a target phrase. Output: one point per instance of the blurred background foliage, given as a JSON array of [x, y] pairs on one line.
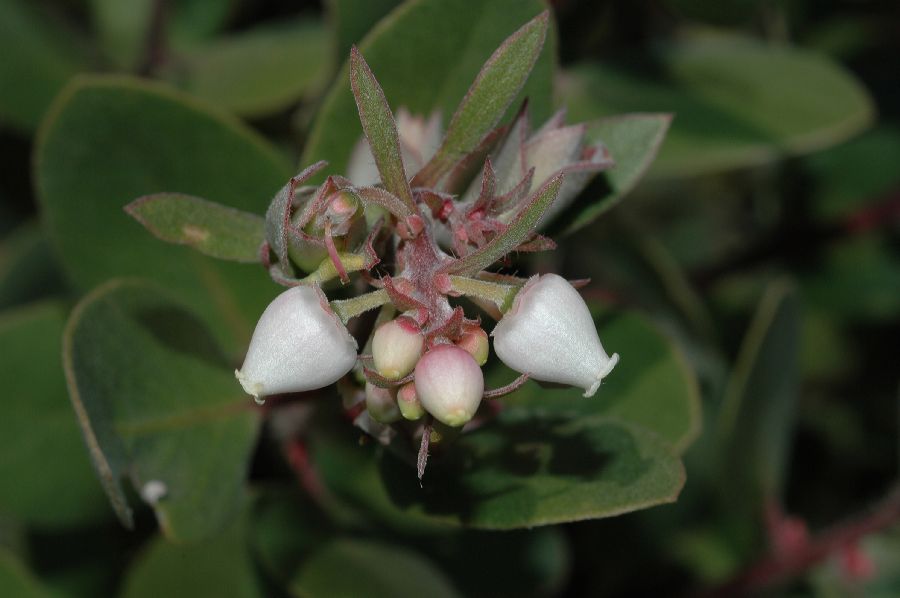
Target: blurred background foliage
[[756, 266]]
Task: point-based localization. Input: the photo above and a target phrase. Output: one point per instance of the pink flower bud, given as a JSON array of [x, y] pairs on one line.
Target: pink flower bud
[[549, 334], [298, 344], [475, 341], [396, 347], [408, 400], [449, 384], [381, 404]]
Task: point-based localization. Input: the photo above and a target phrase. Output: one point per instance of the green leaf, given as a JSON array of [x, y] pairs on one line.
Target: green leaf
[[423, 71], [530, 562], [519, 229], [496, 85], [526, 468], [39, 56], [352, 19], [157, 402], [123, 27], [380, 129], [219, 566], [210, 228], [867, 268], [855, 175], [736, 102], [111, 140], [633, 141], [378, 569], [756, 419], [255, 72], [652, 386], [38, 431], [286, 526], [16, 580], [28, 269], [196, 20]]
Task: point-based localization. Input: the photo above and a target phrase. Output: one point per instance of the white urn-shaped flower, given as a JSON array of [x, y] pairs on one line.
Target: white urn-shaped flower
[[299, 344], [549, 334]]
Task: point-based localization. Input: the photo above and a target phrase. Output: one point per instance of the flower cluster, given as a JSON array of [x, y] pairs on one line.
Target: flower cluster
[[421, 219]]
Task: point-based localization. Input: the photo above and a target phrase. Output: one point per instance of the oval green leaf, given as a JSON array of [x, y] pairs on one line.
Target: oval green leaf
[[219, 566], [38, 430], [212, 229], [736, 102], [40, 54], [526, 468], [255, 72], [111, 140], [157, 402], [379, 570]]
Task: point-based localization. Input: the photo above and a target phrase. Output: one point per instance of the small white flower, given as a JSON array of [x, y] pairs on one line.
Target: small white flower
[[396, 347], [549, 334], [449, 384], [299, 344]]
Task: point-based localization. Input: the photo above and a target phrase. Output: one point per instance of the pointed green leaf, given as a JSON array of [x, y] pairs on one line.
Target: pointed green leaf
[[380, 129], [757, 414], [212, 229], [497, 84], [40, 443], [423, 71], [158, 402], [521, 226], [633, 141], [737, 102], [379, 570], [109, 141], [256, 72]]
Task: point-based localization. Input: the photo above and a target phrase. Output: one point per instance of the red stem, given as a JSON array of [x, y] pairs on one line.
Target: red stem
[[778, 568]]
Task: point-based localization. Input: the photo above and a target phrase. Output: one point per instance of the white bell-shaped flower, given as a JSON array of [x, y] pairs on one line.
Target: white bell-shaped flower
[[449, 384], [549, 334], [299, 344]]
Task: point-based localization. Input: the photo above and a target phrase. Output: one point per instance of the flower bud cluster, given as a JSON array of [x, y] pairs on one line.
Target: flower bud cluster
[[448, 383], [405, 205]]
